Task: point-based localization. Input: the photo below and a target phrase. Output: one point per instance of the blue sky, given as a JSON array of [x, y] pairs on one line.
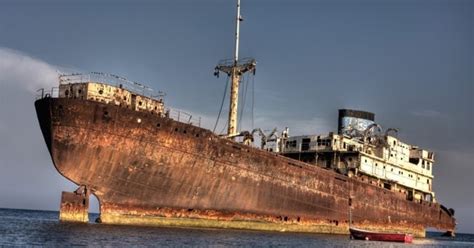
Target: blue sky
[[410, 62]]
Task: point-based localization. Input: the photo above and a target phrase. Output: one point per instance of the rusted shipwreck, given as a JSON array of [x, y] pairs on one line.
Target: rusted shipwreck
[[149, 166]]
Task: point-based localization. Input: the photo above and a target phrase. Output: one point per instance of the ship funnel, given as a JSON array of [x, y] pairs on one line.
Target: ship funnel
[[354, 122]]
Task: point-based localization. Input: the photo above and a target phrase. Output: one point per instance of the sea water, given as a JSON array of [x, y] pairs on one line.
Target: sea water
[[31, 228]]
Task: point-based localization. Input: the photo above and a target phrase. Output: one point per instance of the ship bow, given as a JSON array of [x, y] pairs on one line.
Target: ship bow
[[43, 112]]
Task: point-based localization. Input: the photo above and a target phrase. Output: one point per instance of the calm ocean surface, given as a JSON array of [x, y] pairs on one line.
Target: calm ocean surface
[[28, 228]]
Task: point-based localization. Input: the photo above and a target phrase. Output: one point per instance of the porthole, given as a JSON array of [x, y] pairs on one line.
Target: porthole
[[184, 131], [197, 135], [176, 129], [101, 91], [158, 125]]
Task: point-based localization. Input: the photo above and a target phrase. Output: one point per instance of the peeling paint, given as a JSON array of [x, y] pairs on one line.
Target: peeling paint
[[145, 173]]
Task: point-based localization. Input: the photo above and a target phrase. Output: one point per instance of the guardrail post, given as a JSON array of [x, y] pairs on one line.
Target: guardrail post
[[42, 93]]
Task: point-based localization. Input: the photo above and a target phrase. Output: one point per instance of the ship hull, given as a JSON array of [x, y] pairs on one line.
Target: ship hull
[[151, 170]]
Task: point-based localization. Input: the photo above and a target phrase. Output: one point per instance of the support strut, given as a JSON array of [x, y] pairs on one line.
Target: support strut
[[75, 205]]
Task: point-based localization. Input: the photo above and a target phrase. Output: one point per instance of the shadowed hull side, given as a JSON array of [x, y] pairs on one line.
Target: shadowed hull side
[[151, 170]]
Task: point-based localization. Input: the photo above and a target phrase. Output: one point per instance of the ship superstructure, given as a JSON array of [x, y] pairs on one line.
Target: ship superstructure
[[361, 149], [148, 166], [100, 87]]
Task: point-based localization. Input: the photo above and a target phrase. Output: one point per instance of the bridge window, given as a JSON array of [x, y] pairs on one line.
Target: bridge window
[[291, 143], [305, 144]]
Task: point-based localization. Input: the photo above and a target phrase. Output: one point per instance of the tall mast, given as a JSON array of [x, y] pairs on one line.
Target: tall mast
[[238, 19], [235, 69]]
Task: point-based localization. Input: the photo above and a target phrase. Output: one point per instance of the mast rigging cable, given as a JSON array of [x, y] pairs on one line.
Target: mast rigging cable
[[244, 97], [222, 103]]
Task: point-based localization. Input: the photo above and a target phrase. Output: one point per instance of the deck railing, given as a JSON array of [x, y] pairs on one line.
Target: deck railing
[[42, 93], [184, 117], [113, 80]]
